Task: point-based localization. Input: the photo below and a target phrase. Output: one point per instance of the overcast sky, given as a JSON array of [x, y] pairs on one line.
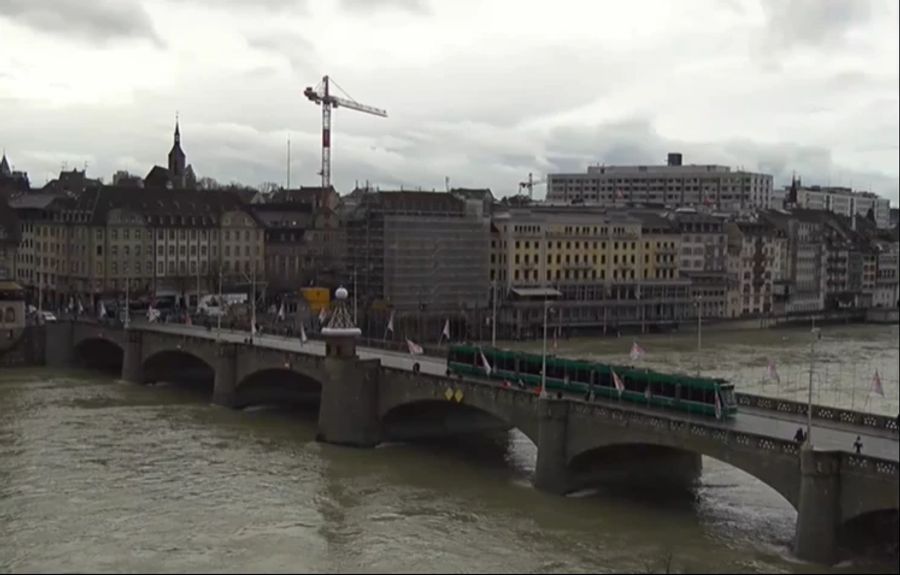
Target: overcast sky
[[479, 91]]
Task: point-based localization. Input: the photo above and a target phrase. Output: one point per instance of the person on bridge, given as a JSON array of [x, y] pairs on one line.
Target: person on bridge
[[799, 437], [857, 445]]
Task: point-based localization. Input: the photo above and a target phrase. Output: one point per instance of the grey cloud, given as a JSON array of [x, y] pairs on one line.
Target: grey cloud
[[792, 23], [299, 51], [370, 6], [636, 142], [97, 21], [250, 5]]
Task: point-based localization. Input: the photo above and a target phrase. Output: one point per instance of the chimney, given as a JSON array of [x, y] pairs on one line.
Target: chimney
[[674, 159]]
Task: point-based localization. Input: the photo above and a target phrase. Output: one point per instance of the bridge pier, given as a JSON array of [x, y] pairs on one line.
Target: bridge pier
[[225, 374], [551, 472], [59, 344], [348, 410], [132, 358], [818, 514]]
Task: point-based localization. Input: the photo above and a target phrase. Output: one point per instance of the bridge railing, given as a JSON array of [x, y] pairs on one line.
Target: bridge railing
[[870, 464], [822, 412]]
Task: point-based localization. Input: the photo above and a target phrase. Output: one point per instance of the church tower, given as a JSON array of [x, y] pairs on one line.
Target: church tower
[[177, 160]]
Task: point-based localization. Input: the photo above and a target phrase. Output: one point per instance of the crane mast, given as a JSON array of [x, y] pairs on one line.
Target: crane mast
[[530, 184], [322, 96]]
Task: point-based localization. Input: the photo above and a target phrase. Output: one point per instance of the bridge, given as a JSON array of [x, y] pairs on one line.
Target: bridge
[[367, 396]]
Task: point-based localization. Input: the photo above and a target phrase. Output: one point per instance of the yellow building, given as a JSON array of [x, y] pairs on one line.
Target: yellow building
[[610, 267]]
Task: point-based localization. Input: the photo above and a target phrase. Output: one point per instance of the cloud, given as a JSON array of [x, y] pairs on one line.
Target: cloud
[[250, 6], [299, 51], [813, 23], [370, 6], [94, 21]]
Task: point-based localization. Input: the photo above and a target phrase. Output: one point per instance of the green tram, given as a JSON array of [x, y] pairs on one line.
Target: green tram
[[695, 395]]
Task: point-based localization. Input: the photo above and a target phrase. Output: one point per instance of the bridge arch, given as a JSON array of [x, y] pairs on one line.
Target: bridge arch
[[179, 365], [434, 418], [782, 475], [278, 385], [99, 353], [406, 399]]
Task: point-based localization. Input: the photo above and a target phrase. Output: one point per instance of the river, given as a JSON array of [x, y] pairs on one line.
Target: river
[[100, 475]]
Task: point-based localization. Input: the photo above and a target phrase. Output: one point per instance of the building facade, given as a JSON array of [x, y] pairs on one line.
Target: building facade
[[152, 243], [703, 260], [420, 256], [844, 202], [672, 185], [754, 249], [605, 270]]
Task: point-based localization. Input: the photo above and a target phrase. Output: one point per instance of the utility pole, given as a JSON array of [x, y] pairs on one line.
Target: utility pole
[[355, 309]]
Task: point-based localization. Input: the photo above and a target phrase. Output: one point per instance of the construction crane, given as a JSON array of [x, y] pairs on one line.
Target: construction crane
[[321, 95], [530, 184]]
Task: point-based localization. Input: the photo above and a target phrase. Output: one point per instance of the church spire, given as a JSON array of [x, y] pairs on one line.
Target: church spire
[[177, 131], [4, 165]]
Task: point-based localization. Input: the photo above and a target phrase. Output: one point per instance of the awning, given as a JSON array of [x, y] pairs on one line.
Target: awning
[[536, 292]]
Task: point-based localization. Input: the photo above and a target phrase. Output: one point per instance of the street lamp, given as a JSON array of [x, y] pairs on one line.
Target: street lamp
[[544, 353], [494, 315], [697, 302], [817, 335]]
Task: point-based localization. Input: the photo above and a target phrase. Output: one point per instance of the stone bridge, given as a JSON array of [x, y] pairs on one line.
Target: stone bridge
[[362, 403]]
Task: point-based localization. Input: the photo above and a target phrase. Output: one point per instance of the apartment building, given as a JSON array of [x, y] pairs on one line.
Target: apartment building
[[841, 201], [703, 260], [150, 242], [672, 185], [605, 269]]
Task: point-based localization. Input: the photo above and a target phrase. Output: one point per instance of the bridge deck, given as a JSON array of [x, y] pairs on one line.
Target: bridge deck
[[830, 435]]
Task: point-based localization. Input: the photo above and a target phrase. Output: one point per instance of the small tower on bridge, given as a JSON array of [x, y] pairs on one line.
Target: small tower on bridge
[[340, 333]]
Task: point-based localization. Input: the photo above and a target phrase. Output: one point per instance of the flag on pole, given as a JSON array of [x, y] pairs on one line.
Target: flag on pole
[[303, 338], [637, 352], [414, 349], [772, 372], [620, 386], [487, 366], [446, 332], [281, 312], [390, 325], [876, 384], [718, 406]]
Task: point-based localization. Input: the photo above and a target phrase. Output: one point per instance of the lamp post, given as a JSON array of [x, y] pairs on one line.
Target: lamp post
[[494, 315], [816, 335], [697, 302], [544, 353], [127, 320]]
